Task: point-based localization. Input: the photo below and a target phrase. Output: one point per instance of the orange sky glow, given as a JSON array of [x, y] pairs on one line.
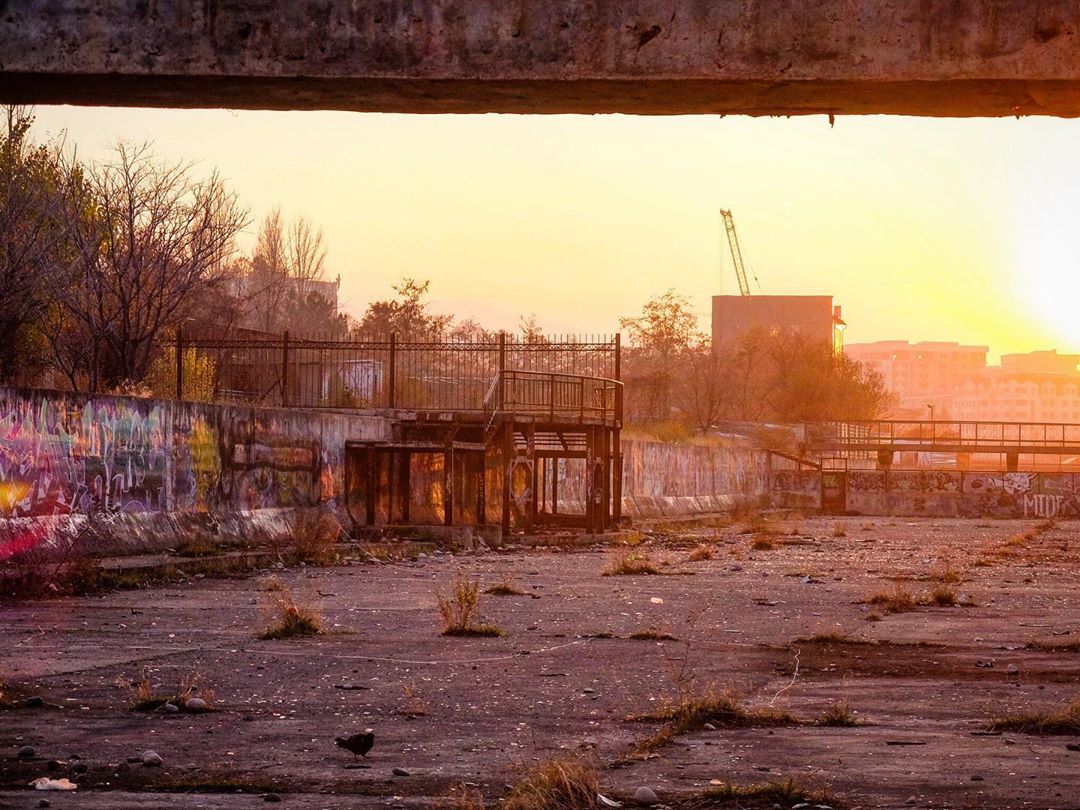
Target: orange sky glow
[[923, 229]]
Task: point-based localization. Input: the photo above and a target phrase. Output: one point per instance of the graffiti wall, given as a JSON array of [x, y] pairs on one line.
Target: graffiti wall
[[940, 493], [68, 454]]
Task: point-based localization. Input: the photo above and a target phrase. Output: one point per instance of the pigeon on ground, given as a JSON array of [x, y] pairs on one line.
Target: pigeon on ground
[[358, 744]]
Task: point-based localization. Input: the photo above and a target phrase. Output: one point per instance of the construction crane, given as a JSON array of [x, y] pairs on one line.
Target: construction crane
[[736, 253]]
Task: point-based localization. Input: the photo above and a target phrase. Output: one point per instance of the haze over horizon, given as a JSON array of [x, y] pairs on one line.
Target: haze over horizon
[[922, 229]]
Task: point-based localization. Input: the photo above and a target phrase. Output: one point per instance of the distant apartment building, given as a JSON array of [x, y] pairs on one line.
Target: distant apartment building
[[921, 374], [1039, 386], [811, 316]]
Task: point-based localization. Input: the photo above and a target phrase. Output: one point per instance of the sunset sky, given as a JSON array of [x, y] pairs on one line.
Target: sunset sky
[[922, 229]]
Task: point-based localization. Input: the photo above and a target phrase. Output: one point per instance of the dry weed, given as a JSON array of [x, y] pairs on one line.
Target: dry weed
[[719, 708], [838, 715], [292, 618], [630, 564], [314, 535], [1062, 721], [899, 600], [557, 784], [459, 611]]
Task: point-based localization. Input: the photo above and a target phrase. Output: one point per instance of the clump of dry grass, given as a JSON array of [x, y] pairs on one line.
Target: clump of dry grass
[[838, 716], [1062, 721], [652, 635], [700, 554], [1021, 539], [143, 697], [460, 609], [631, 564], [463, 797], [696, 708], [772, 794], [505, 587], [292, 618], [949, 575], [873, 616], [899, 600], [942, 596], [756, 524], [413, 703], [762, 542], [1045, 525], [829, 637], [314, 534], [556, 784], [141, 694], [1053, 646], [839, 530]]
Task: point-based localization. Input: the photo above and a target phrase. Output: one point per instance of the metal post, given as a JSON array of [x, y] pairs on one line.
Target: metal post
[[180, 363], [554, 485], [448, 485], [502, 369], [285, 367], [405, 471], [372, 478], [508, 467], [481, 490], [392, 382], [590, 479], [530, 456]]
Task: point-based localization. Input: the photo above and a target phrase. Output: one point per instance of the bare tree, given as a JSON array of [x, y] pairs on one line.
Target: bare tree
[[30, 239], [288, 259], [147, 238]]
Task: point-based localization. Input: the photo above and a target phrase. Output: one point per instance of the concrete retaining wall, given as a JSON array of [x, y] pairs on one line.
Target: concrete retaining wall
[[666, 479], [938, 493]]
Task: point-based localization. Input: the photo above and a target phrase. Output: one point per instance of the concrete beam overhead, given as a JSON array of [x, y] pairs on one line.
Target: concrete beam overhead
[[754, 57]]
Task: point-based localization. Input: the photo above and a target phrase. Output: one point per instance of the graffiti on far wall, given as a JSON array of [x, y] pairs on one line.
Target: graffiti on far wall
[[58, 457]]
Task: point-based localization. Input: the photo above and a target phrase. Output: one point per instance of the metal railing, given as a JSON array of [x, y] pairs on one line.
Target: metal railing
[[388, 372], [956, 436], [556, 396]]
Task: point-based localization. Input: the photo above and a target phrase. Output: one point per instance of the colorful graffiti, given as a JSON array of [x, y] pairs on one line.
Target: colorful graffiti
[[940, 493], [60, 457], [270, 470]]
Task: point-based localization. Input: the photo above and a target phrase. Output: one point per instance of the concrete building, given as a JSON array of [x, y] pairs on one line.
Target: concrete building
[[811, 316], [921, 374], [1040, 386]]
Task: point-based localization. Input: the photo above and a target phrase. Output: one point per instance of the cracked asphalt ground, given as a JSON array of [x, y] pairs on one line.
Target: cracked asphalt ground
[[564, 677]]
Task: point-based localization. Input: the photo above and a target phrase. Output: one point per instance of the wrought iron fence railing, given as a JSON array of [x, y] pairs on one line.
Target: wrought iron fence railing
[[386, 372]]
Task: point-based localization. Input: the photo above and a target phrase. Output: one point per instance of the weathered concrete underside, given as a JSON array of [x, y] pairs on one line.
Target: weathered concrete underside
[[755, 57]]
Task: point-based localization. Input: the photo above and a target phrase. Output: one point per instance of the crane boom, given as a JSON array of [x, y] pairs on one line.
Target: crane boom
[[736, 253]]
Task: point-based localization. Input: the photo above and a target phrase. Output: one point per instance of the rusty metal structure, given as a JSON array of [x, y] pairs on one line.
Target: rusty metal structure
[[492, 432]]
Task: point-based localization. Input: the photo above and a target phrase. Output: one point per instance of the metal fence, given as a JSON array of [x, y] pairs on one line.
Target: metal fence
[[375, 373]]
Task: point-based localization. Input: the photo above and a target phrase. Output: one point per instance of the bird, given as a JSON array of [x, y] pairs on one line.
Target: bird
[[358, 744]]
